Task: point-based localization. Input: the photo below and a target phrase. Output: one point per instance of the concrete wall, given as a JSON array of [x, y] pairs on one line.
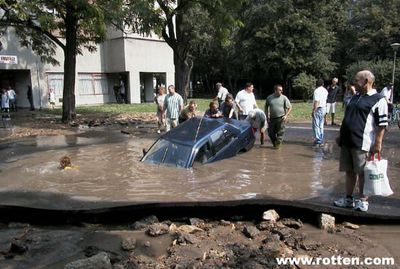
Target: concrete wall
[[147, 56], [117, 55]]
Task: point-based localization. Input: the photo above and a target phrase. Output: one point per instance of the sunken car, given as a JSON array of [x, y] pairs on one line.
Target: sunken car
[[201, 140]]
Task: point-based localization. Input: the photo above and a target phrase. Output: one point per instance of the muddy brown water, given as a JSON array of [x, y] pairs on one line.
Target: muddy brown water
[[107, 168]]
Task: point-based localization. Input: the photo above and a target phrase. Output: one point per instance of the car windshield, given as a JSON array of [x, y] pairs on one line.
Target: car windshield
[[167, 152]]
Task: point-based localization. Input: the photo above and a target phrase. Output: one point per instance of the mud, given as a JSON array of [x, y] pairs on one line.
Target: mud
[[202, 244], [107, 169]]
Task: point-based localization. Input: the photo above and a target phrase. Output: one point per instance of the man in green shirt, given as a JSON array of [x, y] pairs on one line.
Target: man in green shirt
[[277, 109]]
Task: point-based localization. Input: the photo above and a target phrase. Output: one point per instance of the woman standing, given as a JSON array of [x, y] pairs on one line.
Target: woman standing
[[159, 100]]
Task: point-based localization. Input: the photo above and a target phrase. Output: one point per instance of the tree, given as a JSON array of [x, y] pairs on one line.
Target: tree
[[285, 38], [304, 84], [382, 70], [182, 24], [70, 24]]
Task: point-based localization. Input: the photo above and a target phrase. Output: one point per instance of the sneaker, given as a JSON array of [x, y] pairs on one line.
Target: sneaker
[[361, 205], [344, 202]]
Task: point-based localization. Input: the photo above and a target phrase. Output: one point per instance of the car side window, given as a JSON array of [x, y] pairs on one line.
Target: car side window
[[204, 153], [220, 139]]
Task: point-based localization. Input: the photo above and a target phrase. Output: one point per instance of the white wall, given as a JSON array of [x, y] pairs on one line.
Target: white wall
[[115, 55], [147, 56]]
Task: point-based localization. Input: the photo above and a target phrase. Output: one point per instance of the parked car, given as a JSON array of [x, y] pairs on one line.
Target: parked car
[[201, 140]]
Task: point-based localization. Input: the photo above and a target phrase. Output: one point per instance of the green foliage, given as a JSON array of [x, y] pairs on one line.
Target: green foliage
[[382, 70], [304, 84], [284, 38], [42, 25]]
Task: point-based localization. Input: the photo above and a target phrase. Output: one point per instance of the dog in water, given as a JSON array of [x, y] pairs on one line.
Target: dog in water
[[65, 162]]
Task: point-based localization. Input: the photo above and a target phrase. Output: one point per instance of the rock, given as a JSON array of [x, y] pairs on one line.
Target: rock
[[271, 215], [225, 222], [296, 224], [250, 231], [172, 228], [128, 244], [350, 225], [99, 261], [272, 238], [18, 225], [197, 222], [189, 229], [73, 124], [265, 225], [185, 238], [326, 222], [18, 247], [143, 223], [147, 244], [157, 229], [284, 233], [276, 249]]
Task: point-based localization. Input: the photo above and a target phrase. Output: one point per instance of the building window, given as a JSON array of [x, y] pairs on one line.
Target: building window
[[92, 84], [56, 81]]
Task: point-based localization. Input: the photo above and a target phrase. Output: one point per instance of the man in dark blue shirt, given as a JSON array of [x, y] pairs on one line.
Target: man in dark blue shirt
[[361, 133]]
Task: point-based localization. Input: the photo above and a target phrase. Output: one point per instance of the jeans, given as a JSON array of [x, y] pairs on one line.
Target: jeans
[[318, 125]]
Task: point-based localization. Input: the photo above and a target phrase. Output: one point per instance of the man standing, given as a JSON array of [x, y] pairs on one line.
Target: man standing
[[361, 132], [12, 98], [277, 110], [318, 112], [387, 92], [173, 104], [331, 100], [222, 93], [258, 121], [246, 101]]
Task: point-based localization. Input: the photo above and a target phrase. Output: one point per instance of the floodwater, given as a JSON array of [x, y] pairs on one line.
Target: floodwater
[[107, 169]]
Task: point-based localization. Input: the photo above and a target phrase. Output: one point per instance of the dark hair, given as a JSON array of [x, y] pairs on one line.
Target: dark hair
[[276, 86], [320, 82], [248, 84], [228, 97]]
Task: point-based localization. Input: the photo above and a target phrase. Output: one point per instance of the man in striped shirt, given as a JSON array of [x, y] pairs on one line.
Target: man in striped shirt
[[173, 104], [361, 133]]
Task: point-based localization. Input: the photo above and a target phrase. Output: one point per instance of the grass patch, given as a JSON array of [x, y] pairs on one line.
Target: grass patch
[[301, 110]]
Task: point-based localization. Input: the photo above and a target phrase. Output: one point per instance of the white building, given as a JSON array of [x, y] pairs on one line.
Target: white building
[[140, 62]]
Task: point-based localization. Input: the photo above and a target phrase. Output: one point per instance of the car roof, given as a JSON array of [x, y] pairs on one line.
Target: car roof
[[185, 133]]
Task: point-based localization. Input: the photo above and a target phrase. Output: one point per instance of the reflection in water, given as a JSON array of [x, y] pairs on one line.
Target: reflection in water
[[112, 172]]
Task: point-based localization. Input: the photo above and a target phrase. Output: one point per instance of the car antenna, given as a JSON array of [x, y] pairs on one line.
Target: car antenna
[[198, 129]]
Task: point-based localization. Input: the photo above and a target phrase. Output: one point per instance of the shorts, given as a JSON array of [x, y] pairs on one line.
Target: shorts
[[352, 159], [330, 108]]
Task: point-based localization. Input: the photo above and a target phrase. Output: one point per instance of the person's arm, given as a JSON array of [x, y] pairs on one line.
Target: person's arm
[[165, 104], [255, 102], [237, 101], [315, 106], [266, 108], [288, 109], [285, 117], [380, 131]]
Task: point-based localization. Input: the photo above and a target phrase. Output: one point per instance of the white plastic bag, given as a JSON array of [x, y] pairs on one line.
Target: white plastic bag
[[376, 181]]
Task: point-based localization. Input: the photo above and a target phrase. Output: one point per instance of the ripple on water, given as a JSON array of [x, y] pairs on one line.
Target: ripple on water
[[112, 172]]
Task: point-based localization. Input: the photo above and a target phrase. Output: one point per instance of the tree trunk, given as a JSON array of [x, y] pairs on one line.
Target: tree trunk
[[183, 69], [70, 52]]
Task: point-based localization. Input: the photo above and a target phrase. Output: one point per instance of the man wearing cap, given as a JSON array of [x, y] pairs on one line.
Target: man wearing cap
[[331, 100]]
